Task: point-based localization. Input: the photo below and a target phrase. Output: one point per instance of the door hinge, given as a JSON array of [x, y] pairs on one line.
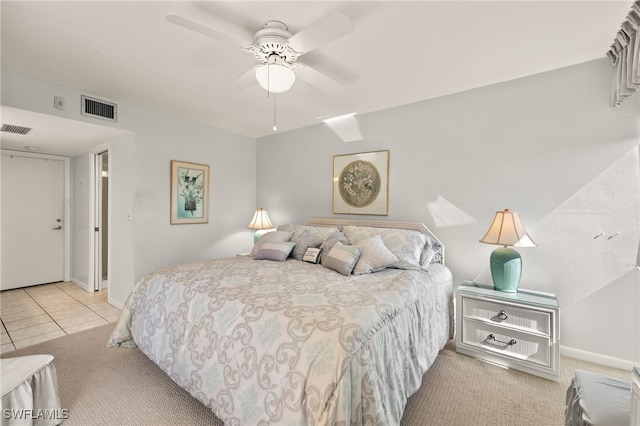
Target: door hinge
[[97, 229]]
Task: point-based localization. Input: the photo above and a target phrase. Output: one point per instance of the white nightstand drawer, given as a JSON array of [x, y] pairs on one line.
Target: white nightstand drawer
[[518, 330], [509, 342], [501, 313]]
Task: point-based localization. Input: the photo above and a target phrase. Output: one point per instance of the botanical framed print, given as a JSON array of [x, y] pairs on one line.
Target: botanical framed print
[[361, 183], [189, 192]]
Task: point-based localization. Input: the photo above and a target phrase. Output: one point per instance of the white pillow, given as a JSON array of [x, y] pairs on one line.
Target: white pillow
[[374, 256], [321, 232], [312, 255], [271, 237], [431, 250], [406, 244]]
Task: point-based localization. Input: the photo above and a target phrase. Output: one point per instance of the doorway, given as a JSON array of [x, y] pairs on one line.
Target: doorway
[[101, 209], [35, 209]]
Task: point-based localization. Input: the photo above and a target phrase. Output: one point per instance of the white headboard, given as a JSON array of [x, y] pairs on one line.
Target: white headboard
[[415, 226]]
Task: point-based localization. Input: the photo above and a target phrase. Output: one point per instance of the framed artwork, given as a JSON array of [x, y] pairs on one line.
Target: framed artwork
[[361, 183], [189, 192]]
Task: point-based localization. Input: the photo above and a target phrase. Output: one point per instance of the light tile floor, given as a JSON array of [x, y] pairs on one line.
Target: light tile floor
[[32, 315]]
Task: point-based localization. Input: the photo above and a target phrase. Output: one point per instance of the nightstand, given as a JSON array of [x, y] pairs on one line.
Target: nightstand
[[517, 330]]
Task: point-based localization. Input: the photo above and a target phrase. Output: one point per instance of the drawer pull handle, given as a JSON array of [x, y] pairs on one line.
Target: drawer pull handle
[[509, 343], [503, 315]]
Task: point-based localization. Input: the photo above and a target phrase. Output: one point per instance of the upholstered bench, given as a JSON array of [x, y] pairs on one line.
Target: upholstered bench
[[597, 400], [30, 391]]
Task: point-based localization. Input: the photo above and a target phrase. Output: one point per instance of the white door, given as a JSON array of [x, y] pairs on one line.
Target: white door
[[32, 221], [101, 280]]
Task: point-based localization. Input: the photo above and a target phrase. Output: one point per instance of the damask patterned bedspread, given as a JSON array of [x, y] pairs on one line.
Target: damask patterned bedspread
[[262, 342]]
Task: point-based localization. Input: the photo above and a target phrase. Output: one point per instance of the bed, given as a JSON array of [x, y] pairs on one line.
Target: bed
[[270, 338]]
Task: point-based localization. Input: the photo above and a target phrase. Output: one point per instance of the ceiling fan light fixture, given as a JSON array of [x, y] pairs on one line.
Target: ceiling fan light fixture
[[275, 78]]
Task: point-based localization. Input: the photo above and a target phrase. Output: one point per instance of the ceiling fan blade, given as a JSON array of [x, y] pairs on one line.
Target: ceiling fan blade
[[319, 80], [323, 31], [247, 79], [233, 36]]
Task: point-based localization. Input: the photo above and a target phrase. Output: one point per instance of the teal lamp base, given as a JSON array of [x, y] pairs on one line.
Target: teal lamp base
[[259, 233], [506, 269]]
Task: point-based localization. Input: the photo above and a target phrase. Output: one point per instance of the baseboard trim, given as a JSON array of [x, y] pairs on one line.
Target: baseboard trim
[[609, 361], [115, 303], [81, 284]]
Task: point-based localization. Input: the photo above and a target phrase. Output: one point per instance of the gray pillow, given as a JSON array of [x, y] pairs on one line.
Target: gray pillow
[[271, 237], [303, 241], [342, 258], [274, 251]]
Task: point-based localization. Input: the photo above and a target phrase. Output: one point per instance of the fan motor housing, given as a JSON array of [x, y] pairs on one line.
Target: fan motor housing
[[273, 39]]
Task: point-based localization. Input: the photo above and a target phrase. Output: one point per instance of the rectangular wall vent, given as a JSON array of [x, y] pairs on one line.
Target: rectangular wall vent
[[96, 108], [18, 130]]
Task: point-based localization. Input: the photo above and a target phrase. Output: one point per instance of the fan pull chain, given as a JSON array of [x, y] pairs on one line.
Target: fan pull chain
[[275, 128]]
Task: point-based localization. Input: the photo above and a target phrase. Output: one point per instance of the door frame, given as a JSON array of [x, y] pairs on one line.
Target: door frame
[[94, 275], [67, 202]]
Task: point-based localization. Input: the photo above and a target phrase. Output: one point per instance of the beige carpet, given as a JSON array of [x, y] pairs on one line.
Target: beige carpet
[[101, 386]]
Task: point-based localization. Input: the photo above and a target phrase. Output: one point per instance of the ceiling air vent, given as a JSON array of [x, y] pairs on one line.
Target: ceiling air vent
[[18, 130], [99, 109]]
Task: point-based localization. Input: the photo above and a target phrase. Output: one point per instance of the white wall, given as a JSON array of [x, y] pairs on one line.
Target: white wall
[[527, 145], [232, 192], [141, 238]]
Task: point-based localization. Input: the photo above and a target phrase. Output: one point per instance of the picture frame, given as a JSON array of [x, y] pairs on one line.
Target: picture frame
[[361, 183], [189, 193]]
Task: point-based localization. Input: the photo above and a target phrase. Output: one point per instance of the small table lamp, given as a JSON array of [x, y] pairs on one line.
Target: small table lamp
[[506, 263], [260, 222]]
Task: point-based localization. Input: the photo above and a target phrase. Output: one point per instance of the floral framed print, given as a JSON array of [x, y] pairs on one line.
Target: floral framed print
[[189, 192], [361, 183]]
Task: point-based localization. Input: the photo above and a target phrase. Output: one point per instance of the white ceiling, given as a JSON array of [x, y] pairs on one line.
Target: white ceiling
[[53, 135], [399, 52]]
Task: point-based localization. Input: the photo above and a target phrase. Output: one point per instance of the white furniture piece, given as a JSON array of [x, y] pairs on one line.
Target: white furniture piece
[[30, 391], [598, 400], [517, 330]]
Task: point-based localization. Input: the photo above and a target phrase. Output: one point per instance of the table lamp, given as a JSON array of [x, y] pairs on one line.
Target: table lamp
[[261, 223], [506, 263]]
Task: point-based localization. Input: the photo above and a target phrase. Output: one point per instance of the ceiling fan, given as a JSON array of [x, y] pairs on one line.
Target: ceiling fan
[[277, 50]]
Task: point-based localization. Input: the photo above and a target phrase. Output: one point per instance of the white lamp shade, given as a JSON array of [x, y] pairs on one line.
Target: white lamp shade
[[507, 230], [275, 78], [260, 220]]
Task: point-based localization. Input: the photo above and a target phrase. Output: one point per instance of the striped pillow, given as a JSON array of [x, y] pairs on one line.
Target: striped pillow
[[274, 251], [342, 258], [271, 237]]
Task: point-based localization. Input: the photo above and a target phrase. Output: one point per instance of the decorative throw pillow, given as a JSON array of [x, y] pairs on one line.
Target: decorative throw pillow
[[330, 241], [271, 237], [312, 255], [304, 240], [274, 251], [431, 249], [406, 244], [374, 256], [342, 258]]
